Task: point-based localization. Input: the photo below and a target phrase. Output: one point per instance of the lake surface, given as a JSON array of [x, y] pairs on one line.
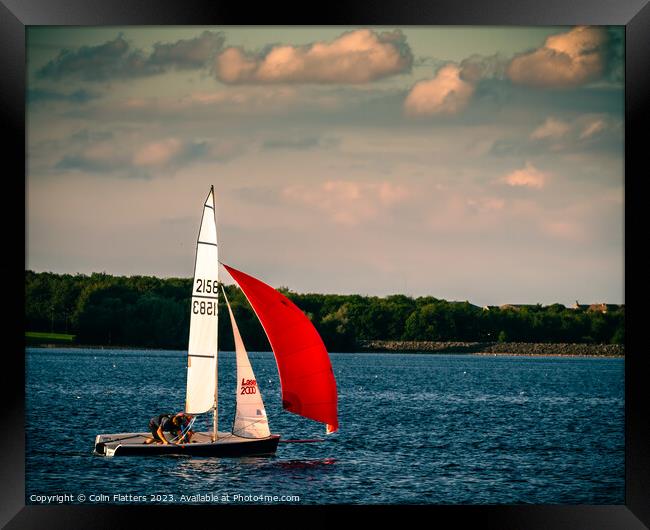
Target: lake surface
[[414, 429]]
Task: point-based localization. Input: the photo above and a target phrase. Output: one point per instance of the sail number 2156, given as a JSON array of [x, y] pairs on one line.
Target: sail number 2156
[[206, 286], [205, 307]]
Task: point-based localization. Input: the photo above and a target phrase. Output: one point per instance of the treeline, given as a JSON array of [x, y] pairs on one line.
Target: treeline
[[152, 312]]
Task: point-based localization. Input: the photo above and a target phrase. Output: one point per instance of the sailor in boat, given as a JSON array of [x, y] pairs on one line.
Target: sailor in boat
[[175, 424]]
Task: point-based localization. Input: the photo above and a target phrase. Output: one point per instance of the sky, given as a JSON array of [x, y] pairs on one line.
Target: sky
[[466, 163]]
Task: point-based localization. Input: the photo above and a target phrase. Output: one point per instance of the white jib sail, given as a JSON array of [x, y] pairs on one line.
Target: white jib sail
[[202, 351], [250, 416]]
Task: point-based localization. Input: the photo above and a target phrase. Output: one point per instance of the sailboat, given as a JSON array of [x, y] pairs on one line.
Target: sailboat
[[307, 380]]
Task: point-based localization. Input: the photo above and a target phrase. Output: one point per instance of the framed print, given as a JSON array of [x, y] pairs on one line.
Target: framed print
[[376, 259]]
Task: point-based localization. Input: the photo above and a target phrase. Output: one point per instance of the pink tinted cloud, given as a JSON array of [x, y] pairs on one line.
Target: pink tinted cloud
[[569, 230], [565, 60], [348, 202], [446, 93], [486, 204], [592, 128], [157, 153], [529, 176], [357, 56], [552, 128], [563, 135], [466, 213], [205, 105], [129, 154]]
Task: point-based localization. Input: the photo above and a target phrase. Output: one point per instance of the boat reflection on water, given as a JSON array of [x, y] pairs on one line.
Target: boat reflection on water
[[193, 467], [190, 467], [304, 464]]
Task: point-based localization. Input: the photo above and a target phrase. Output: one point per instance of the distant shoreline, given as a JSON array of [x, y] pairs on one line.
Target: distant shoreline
[[578, 355], [497, 348], [490, 349]]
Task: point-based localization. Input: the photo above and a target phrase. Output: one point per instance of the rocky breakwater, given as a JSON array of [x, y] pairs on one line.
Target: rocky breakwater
[[495, 348]]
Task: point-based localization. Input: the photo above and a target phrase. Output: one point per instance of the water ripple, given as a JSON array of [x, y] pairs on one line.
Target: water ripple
[[415, 429]]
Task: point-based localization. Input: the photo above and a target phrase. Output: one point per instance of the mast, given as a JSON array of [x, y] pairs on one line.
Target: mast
[[215, 418]]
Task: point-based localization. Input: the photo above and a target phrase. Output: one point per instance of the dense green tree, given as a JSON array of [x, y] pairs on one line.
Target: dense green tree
[[153, 312]]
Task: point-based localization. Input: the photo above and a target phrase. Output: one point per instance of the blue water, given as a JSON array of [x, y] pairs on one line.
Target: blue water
[[416, 429]]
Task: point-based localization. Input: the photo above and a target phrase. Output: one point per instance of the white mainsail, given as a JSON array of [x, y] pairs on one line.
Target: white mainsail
[[250, 415], [202, 351]]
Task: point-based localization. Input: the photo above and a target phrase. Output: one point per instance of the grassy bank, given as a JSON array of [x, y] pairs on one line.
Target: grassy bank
[[34, 338]]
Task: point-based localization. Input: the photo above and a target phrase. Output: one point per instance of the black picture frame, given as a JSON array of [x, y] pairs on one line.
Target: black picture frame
[[16, 15]]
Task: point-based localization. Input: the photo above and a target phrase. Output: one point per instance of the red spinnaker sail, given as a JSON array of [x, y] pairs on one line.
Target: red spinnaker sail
[[306, 376]]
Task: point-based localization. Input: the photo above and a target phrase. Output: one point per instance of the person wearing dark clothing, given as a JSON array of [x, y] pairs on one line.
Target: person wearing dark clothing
[[171, 423]]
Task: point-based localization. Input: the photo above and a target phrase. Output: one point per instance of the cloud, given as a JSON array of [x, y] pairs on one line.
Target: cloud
[[466, 210], [551, 128], [597, 133], [359, 56], [558, 135], [446, 93], [116, 59], [592, 128], [486, 204], [129, 157], [477, 67], [565, 60], [348, 202], [188, 53], [615, 55], [583, 131], [78, 96], [99, 157], [429, 62], [86, 136], [302, 143], [113, 59], [157, 153], [228, 107], [529, 176], [570, 230]]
